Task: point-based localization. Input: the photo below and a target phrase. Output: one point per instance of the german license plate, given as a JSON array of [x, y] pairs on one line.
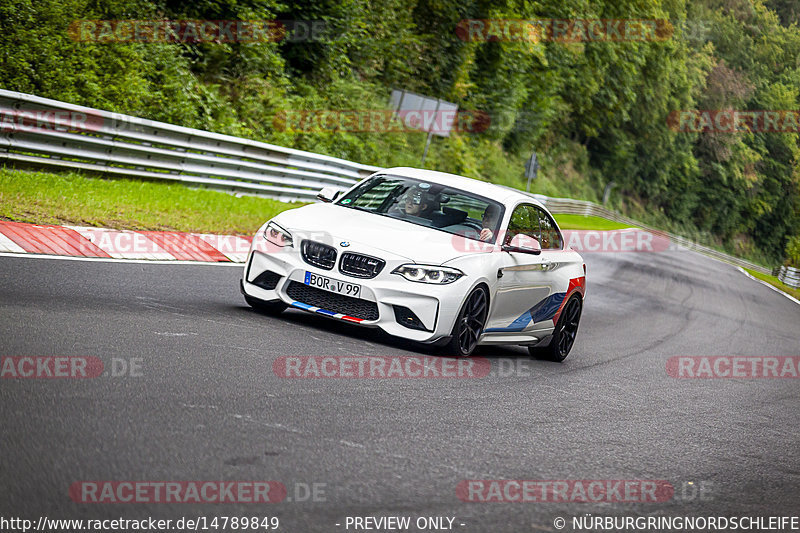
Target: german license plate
[[325, 283]]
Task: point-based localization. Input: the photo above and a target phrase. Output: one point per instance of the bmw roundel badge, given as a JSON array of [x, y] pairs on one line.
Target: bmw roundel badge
[[344, 244]]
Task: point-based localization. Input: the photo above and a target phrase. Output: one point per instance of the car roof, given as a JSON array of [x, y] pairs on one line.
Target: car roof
[[501, 193]]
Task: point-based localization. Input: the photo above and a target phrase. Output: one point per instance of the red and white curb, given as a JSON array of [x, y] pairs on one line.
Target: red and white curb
[[76, 241]]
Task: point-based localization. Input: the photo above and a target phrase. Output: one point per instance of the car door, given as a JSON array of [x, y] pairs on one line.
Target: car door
[[525, 282]]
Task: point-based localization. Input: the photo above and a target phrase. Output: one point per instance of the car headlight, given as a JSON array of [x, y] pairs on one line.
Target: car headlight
[[437, 275], [277, 235]]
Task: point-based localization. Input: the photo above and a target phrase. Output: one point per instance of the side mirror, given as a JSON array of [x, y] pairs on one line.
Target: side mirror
[[328, 194], [524, 244]]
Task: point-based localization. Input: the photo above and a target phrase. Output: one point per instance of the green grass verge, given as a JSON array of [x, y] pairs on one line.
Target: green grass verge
[[592, 223], [46, 198], [772, 280]]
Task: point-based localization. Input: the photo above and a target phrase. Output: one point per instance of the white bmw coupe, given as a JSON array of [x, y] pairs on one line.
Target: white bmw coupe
[[428, 256]]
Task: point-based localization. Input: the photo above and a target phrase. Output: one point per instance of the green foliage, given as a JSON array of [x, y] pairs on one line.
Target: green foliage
[[596, 112], [793, 251]]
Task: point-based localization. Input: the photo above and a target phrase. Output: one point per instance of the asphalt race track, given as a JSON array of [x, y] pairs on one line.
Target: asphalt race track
[[206, 405]]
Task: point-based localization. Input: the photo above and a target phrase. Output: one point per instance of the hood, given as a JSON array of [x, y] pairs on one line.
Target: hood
[[332, 224]]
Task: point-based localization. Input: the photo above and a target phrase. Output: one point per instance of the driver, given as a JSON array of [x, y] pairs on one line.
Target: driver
[[489, 222], [417, 203]]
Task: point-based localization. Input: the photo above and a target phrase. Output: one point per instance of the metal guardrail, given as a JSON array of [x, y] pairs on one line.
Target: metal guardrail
[[790, 276], [41, 132]]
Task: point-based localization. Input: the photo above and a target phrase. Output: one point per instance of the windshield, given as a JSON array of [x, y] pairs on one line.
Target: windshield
[[428, 204]]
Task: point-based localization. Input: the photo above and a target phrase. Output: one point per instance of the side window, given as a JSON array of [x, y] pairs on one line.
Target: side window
[[523, 220], [550, 238]]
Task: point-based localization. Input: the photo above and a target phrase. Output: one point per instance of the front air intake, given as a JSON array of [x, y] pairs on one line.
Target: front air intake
[[318, 254], [267, 280], [406, 317], [360, 266], [332, 302]]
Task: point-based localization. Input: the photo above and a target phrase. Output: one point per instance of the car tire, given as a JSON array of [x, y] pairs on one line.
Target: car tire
[[469, 324], [268, 308], [564, 333]]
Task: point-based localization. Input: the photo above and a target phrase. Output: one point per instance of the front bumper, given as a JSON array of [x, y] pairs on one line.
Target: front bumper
[[273, 275]]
